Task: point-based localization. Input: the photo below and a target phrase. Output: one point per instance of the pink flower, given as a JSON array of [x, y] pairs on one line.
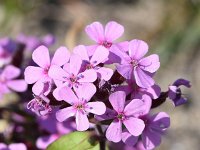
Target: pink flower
[[106, 38], [80, 105], [39, 75], [112, 31], [99, 56], [8, 81], [126, 115], [14, 146], [135, 67], [155, 126], [70, 75]]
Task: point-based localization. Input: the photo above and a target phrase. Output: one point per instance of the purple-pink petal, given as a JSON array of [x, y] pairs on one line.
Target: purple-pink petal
[[10, 72], [128, 138], [31, 77], [151, 140], [113, 31], [99, 56], [41, 56], [65, 113], [150, 63], [123, 46], [97, 108], [17, 85], [82, 52], [87, 76], [134, 125], [38, 87], [137, 49], [82, 122], [161, 120], [75, 64], [85, 91], [117, 100], [95, 31], [142, 78], [56, 93], [61, 56], [104, 73], [126, 71], [66, 94], [57, 73], [135, 107], [114, 131]]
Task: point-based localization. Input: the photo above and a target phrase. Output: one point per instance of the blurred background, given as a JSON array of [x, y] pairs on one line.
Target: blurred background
[[170, 27]]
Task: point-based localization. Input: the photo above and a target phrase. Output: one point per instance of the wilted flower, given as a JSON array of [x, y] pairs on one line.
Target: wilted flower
[[175, 93], [40, 105]]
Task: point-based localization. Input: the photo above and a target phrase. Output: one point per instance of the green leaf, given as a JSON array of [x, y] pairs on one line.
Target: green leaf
[[76, 141]]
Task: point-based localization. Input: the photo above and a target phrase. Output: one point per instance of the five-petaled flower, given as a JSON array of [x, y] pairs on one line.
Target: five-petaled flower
[[124, 114], [134, 67], [70, 75], [80, 105], [106, 37]]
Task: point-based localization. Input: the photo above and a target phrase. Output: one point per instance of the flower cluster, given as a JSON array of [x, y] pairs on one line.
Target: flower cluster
[[108, 84], [9, 73], [12, 53]]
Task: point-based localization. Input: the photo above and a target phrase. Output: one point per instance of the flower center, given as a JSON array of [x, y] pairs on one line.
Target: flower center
[[46, 70], [73, 78], [134, 63], [106, 44], [80, 106], [89, 66], [121, 116]]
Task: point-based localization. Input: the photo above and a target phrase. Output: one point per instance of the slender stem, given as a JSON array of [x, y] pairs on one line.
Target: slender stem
[[159, 101], [102, 140]]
